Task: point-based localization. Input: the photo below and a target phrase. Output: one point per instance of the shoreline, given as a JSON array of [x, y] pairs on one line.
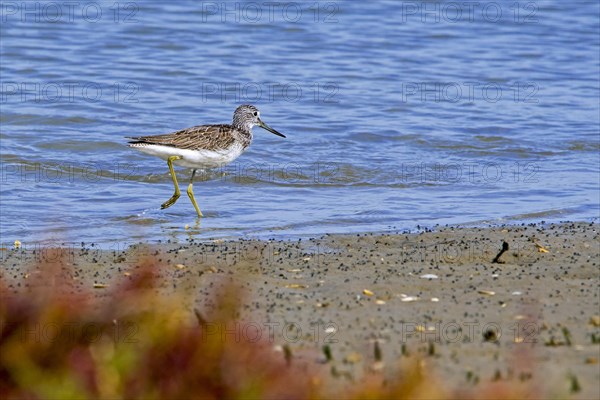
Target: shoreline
[[433, 294], [192, 233]]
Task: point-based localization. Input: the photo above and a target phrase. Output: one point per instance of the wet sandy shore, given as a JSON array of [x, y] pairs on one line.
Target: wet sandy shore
[[530, 317]]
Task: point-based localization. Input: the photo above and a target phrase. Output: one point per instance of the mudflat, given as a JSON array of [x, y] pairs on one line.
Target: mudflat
[[517, 304]]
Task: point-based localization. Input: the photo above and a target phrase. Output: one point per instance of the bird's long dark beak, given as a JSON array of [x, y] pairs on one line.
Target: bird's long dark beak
[[267, 127]]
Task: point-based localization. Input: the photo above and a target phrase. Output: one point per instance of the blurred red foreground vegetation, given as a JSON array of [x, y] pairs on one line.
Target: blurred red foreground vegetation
[[134, 342]]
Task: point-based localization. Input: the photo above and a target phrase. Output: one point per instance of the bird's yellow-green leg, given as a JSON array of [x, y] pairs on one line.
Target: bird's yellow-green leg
[[177, 193], [190, 193]]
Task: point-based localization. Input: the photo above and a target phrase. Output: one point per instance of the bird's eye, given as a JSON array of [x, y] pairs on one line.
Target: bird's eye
[[255, 113]]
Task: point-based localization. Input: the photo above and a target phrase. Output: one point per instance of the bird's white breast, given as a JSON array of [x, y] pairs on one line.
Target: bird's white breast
[[193, 158]]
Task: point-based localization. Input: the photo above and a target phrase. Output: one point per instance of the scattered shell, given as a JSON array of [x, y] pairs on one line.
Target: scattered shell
[[429, 276], [330, 329], [377, 366], [296, 286], [420, 328], [99, 286], [380, 302], [295, 270], [435, 299], [516, 293], [486, 292], [367, 292], [520, 317], [541, 249], [352, 358], [409, 298], [127, 273], [179, 266], [306, 259], [187, 227], [519, 339], [595, 320], [17, 244]]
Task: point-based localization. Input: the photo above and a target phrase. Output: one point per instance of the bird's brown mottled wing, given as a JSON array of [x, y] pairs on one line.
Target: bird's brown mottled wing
[[211, 137]]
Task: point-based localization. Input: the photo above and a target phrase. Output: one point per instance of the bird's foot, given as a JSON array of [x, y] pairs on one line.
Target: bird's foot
[[170, 202]]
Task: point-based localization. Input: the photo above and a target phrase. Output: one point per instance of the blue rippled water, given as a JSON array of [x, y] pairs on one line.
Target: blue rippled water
[[397, 114]]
